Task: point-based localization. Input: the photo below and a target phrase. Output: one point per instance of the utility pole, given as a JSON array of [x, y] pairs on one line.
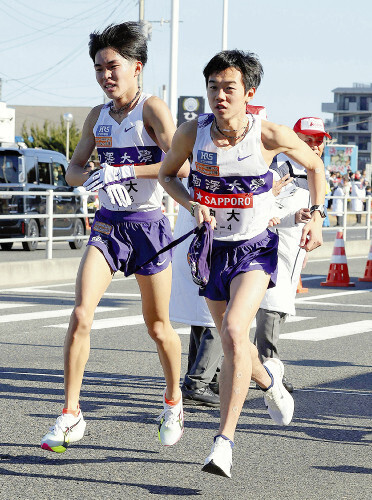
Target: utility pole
[[141, 20], [174, 59], [224, 24]]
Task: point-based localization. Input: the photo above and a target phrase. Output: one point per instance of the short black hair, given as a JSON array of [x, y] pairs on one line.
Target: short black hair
[[127, 39], [247, 62]]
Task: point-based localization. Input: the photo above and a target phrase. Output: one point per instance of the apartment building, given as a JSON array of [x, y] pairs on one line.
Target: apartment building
[[352, 119]]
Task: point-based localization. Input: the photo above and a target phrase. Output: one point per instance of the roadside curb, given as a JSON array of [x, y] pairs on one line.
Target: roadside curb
[[353, 248], [45, 271], [38, 271]]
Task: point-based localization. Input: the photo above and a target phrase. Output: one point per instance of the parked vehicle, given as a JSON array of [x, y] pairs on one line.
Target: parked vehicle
[[36, 170]]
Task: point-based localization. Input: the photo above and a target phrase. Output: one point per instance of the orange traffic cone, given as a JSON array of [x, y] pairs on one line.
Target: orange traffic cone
[[300, 288], [368, 272], [338, 274]]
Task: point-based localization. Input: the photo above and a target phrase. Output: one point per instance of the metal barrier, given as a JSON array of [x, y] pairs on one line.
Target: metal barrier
[[49, 216], [346, 212]]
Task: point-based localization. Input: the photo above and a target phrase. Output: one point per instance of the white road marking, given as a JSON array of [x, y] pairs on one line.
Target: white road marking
[[343, 304], [330, 332], [309, 278], [327, 259], [38, 288], [13, 305], [335, 294], [102, 324], [8, 318]]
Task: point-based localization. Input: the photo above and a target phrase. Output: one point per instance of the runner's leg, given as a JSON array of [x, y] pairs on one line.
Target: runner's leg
[[155, 291], [93, 278], [240, 355]]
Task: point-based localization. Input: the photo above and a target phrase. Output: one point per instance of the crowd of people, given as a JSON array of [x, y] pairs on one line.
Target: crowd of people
[[258, 190], [353, 184]]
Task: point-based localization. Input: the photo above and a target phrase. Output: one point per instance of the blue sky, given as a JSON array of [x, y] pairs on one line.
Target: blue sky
[[306, 48]]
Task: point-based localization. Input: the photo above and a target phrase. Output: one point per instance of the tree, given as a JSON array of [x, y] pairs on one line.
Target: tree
[[52, 136]]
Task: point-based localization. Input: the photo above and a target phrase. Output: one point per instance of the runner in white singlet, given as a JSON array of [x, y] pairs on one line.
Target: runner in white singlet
[[130, 133], [230, 175]]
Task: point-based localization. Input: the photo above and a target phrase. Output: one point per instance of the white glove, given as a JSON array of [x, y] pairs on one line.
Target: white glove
[[118, 195], [110, 179], [108, 175]]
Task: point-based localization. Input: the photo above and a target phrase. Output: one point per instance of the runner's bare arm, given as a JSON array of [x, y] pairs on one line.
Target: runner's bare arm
[[76, 174], [180, 151], [159, 125], [279, 139]]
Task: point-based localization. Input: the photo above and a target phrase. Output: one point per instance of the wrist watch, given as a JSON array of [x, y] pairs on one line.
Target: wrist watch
[[192, 208], [320, 209]]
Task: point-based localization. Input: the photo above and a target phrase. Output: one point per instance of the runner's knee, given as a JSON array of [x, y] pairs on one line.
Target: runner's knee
[[81, 321], [157, 331]]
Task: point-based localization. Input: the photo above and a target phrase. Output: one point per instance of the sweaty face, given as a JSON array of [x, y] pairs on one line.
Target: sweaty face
[[226, 93], [116, 75], [315, 142]]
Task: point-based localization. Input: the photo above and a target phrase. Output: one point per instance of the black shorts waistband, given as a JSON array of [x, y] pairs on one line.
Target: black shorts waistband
[[126, 216]]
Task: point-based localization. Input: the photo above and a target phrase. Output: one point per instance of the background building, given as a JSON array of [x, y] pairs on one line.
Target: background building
[[36, 115], [7, 124], [352, 119]]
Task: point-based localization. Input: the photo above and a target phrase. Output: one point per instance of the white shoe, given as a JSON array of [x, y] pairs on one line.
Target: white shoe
[[219, 461], [279, 402], [171, 423], [67, 429]]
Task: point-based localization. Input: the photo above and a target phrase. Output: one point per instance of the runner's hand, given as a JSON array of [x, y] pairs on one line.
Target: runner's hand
[[302, 216], [278, 185], [108, 176], [274, 221], [202, 213], [118, 195]]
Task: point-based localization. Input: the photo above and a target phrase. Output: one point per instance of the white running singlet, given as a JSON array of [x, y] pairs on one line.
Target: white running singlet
[[129, 143], [236, 183]]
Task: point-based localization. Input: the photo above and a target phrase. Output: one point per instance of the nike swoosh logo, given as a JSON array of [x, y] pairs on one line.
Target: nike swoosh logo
[[127, 129], [161, 263], [244, 157]]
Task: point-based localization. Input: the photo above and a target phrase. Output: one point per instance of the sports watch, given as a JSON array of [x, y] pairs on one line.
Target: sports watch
[[320, 209]]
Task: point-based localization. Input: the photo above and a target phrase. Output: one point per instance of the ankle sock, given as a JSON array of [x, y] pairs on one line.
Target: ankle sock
[[226, 439], [68, 411], [272, 380], [171, 402]]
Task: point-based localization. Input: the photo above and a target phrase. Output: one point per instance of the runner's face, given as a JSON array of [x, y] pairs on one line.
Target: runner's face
[[116, 76], [226, 95], [315, 142]]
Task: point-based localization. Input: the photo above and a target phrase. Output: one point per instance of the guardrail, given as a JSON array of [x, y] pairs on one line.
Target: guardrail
[[346, 212], [50, 215]]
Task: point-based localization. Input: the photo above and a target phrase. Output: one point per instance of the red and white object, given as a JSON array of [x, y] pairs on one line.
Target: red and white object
[[338, 274], [368, 272]]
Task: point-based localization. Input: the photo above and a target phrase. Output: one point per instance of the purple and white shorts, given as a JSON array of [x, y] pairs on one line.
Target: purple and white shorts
[[230, 258], [128, 239]]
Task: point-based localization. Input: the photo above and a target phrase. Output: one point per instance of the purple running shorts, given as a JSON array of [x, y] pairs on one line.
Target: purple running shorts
[[128, 239], [230, 258]]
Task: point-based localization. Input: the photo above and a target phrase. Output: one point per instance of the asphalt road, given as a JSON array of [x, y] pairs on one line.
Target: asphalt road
[[61, 249], [324, 453]]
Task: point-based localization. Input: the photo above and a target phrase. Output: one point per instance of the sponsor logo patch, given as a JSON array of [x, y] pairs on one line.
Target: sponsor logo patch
[[207, 169], [102, 227], [104, 130], [244, 200], [103, 142], [206, 157]]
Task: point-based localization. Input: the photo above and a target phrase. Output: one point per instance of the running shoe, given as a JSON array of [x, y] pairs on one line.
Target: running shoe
[[171, 423], [67, 429], [219, 461], [279, 402]]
